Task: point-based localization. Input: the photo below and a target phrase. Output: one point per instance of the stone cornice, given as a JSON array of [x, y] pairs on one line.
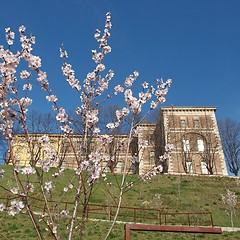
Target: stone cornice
[[188, 109]]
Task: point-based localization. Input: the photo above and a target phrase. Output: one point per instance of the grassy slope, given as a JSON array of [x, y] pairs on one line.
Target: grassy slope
[[178, 194]]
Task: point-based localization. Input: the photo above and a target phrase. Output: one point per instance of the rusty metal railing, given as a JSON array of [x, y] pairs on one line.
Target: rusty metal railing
[[128, 214]]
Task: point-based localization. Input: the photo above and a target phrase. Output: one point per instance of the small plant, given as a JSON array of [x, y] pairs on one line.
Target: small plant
[[230, 202], [157, 200]]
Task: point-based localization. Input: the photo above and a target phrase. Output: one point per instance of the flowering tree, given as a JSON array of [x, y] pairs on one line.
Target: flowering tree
[[230, 202], [41, 156]]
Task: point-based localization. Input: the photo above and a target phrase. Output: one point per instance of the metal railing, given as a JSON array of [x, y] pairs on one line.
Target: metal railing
[[126, 213]]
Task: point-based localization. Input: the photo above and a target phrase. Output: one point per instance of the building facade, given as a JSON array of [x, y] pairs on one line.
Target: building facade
[[192, 131]]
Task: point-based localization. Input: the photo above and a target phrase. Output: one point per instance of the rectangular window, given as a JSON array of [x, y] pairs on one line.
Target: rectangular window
[[186, 145], [152, 158], [183, 123], [200, 145], [196, 123], [119, 167], [64, 164], [204, 168], [189, 167]]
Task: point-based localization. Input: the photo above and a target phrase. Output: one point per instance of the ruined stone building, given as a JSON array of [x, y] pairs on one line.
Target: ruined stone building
[[192, 131]]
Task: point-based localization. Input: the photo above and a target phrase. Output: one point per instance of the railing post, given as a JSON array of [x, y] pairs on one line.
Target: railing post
[[134, 215], [160, 217], [110, 213], [189, 220], [211, 219], [87, 212], [127, 232]]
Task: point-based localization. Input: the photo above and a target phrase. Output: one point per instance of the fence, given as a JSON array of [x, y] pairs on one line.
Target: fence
[[126, 214]]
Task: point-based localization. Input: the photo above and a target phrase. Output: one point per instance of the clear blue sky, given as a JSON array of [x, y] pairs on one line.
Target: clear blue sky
[[194, 42]]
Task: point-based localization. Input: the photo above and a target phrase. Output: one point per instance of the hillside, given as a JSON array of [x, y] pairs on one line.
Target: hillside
[[168, 193]]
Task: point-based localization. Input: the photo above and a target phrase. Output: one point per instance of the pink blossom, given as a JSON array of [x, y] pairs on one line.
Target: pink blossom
[[66, 129], [118, 89], [2, 173], [64, 213], [100, 67], [110, 125], [63, 52], [78, 110], [91, 116], [110, 75], [25, 101], [2, 207], [62, 116], [42, 77], [54, 230], [29, 187], [125, 111], [119, 114], [96, 130], [97, 34], [103, 42], [137, 131], [22, 29], [107, 49], [128, 82], [153, 105], [105, 139], [27, 86], [43, 140], [145, 85], [132, 102], [15, 208], [91, 76], [9, 36], [67, 69], [51, 98], [14, 190], [34, 62], [29, 170], [108, 20], [48, 186], [97, 57]]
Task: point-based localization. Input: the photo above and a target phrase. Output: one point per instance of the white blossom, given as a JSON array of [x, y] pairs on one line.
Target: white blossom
[[15, 208], [2, 173], [48, 186], [29, 170], [2, 207]]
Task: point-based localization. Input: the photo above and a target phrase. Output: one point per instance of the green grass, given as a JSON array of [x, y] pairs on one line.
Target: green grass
[[197, 194]]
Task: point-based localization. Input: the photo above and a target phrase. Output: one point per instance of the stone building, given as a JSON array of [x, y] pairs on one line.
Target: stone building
[[68, 152], [197, 147], [192, 131]]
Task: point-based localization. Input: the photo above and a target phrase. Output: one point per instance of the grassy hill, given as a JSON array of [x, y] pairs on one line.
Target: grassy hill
[[168, 193]]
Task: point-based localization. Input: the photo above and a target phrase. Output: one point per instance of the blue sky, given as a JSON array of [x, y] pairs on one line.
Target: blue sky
[[194, 42]]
